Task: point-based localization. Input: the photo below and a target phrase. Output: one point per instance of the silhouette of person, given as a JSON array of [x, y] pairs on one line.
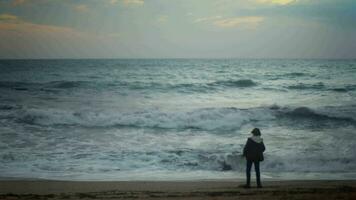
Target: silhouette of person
[[253, 152]]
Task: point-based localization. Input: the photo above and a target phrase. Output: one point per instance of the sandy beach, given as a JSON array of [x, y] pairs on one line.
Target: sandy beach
[[44, 189]]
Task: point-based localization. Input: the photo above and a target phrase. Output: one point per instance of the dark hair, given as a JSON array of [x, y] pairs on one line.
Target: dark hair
[[256, 132]]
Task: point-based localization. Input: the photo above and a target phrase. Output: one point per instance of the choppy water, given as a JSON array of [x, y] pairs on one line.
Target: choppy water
[[176, 119]]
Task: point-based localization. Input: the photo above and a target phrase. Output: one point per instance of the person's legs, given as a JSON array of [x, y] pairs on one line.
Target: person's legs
[[248, 172], [257, 170]]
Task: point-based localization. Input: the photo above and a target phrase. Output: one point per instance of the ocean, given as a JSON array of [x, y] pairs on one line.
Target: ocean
[[176, 119]]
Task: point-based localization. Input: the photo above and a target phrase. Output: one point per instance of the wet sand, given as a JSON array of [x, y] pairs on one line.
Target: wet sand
[[214, 189]]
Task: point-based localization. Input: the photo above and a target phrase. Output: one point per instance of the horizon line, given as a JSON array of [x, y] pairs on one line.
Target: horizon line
[[178, 58]]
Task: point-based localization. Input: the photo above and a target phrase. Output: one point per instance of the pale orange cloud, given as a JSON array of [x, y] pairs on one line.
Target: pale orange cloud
[[279, 2], [10, 24], [8, 17], [162, 19], [30, 29], [113, 2], [134, 2], [25, 39], [247, 21], [250, 21], [18, 2], [124, 2], [81, 8], [207, 19]]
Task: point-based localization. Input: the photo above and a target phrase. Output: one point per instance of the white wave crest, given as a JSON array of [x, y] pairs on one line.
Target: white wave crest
[[205, 119]]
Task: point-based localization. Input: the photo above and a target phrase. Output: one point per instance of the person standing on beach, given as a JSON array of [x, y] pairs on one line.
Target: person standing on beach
[[253, 152]]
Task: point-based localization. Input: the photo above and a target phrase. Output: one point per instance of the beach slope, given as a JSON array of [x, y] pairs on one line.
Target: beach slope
[[44, 189]]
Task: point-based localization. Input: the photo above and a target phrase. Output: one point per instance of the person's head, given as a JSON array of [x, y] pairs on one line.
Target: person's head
[[256, 132]]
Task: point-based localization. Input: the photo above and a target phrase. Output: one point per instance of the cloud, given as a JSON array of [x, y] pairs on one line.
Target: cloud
[[133, 2], [123, 2], [8, 17], [112, 35], [81, 8], [18, 2], [23, 39], [279, 2], [247, 21], [250, 21], [206, 19], [26, 28], [337, 14], [162, 19], [14, 24], [113, 2]]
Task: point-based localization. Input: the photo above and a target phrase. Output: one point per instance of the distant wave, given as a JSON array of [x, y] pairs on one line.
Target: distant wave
[[66, 84], [7, 84], [302, 86], [295, 74], [346, 88], [235, 83], [305, 112], [136, 85], [190, 87], [36, 85], [340, 89], [290, 76], [320, 86], [16, 85], [8, 107], [199, 87]]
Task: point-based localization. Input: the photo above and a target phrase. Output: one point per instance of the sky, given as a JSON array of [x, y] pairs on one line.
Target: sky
[[177, 29]]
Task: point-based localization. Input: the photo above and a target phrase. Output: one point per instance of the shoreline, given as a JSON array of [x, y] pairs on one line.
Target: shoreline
[[208, 189]]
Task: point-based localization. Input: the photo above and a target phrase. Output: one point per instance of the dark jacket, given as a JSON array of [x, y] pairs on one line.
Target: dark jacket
[[253, 151]]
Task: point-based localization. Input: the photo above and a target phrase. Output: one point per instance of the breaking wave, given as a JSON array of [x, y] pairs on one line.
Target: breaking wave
[[317, 162], [205, 119], [228, 118]]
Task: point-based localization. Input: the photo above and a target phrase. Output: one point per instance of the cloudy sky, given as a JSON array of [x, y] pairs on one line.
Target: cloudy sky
[[177, 29]]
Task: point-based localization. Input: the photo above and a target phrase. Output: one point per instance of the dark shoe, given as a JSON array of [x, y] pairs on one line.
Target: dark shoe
[[246, 186], [259, 186]]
